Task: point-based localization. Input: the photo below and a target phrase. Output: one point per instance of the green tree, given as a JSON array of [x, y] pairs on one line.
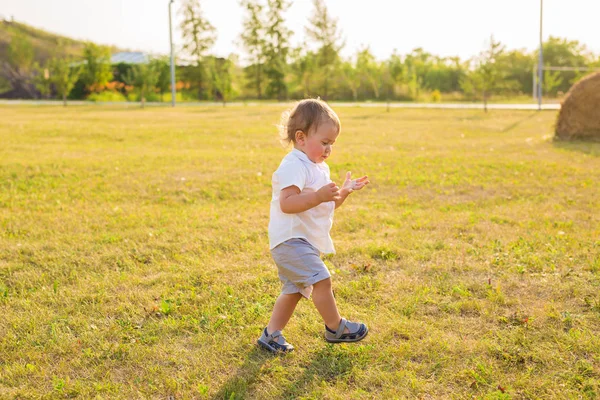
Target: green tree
[[486, 77], [143, 77], [418, 63], [17, 68], [63, 74], [252, 36], [577, 75], [222, 77], [20, 53], [443, 74], [516, 67], [370, 70], [97, 70], [303, 66], [163, 81], [387, 82], [552, 81], [352, 77], [41, 80], [198, 35], [395, 68], [416, 66], [277, 48], [414, 82], [560, 52], [324, 31], [4, 85]]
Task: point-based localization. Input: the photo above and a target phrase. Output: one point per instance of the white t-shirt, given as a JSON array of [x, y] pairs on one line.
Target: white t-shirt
[[314, 224]]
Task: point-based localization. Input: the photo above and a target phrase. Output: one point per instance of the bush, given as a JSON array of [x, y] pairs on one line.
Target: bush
[[436, 96], [179, 97], [150, 96], [107, 96]]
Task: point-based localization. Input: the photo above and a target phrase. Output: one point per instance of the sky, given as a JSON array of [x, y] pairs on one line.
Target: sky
[[442, 27]]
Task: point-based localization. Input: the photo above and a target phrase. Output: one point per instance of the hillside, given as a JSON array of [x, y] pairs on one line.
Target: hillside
[[44, 43]]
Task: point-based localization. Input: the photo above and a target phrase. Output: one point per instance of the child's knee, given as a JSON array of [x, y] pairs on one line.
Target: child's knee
[[325, 284], [291, 296]]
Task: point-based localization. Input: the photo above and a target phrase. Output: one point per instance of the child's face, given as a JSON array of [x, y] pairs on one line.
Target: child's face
[[317, 146]]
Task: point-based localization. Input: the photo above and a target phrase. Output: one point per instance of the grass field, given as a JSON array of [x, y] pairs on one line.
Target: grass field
[[134, 258]]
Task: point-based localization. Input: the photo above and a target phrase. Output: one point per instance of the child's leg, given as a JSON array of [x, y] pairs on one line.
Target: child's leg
[[282, 311], [322, 296]]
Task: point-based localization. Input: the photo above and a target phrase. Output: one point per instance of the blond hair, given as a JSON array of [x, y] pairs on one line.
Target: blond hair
[[305, 116]]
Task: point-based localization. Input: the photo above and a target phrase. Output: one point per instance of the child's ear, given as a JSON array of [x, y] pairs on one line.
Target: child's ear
[[300, 136]]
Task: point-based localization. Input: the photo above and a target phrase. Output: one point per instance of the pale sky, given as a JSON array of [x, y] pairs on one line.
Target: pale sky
[[442, 27]]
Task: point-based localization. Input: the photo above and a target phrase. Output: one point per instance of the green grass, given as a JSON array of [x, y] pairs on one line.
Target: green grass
[[134, 257]]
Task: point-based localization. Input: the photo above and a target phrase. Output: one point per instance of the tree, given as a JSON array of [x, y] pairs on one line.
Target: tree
[[144, 78], [578, 74], [63, 75], [416, 66], [387, 82], [516, 67], [252, 36], [352, 77], [163, 81], [4, 85], [414, 82], [277, 48], [418, 63], [486, 76], [552, 81], [324, 31], [395, 68], [20, 53], [369, 69], [222, 77], [560, 52], [18, 65], [304, 65], [97, 70], [41, 80], [199, 35], [443, 74]]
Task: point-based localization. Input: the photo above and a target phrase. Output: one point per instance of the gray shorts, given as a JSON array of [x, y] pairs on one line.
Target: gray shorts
[[299, 265]]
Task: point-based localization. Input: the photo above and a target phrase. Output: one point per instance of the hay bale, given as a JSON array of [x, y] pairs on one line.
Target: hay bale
[[579, 116]]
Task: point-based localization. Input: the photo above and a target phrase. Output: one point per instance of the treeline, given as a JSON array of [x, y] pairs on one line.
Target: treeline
[[272, 69]]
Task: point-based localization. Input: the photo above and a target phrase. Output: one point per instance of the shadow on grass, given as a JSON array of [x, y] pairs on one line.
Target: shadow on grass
[[588, 147], [237, 387], [328, 364], [519, 122]]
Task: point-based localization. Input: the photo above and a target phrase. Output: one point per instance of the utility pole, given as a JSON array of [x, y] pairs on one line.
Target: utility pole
[[172, 57], [541, 60]]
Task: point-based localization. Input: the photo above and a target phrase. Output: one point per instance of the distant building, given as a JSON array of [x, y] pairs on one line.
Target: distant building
[[130, 57]]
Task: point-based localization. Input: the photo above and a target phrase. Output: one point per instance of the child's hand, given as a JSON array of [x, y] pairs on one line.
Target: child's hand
[[329, 192], [351, 185]]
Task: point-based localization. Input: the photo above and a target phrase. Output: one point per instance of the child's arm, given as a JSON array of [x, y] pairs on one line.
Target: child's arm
[[292, 201], [349, 186]]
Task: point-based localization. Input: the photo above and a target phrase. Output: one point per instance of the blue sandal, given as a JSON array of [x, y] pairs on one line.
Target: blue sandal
[[357, 332], [275, 342]]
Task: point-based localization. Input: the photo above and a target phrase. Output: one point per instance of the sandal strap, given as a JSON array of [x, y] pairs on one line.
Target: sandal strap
[[354, 327], [276, 334], [340, 329]]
